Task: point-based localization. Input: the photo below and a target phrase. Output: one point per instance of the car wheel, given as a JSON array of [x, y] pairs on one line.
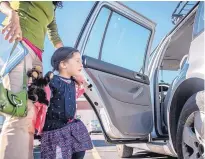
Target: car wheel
[[190, 139], [124, 151]]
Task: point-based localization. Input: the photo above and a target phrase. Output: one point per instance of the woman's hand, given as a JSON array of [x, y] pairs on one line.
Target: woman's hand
[[13, 29]]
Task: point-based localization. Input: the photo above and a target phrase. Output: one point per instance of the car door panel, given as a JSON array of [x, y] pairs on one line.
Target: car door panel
[[133, 114], [117, 84], [119, 95], [125, 90]]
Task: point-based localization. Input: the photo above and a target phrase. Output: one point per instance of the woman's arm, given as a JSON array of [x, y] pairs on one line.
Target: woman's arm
[[13, 28], [53, 34]]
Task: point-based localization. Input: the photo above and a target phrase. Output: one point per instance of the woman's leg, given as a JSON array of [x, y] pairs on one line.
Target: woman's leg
[[78, 155], [16, 139]]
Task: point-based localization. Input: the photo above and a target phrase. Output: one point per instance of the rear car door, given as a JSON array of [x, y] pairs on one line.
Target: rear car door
[[115, 42]]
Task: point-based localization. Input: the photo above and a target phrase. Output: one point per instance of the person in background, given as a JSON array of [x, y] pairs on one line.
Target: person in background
[[26, 21]]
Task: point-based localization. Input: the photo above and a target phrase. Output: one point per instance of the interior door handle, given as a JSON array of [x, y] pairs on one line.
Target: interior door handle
[[139, 91]]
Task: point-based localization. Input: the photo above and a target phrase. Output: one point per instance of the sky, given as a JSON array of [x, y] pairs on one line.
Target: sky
[[73, 14]]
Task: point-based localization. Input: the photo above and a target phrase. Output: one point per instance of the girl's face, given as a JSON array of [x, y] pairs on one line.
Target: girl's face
[[72, 66]]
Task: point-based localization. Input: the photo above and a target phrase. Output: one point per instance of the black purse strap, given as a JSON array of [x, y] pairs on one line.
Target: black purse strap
[[24, 72]]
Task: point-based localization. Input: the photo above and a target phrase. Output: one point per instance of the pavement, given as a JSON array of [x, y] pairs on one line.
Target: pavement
[[103, 150]]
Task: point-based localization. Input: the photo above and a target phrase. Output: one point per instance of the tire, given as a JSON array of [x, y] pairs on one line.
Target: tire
[[190, 138], [124, 151]]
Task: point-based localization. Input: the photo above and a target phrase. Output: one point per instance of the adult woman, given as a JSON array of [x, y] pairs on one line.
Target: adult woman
[[27, 21]]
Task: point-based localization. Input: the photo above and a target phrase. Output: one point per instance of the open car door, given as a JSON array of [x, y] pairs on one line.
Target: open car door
[[115, 42]]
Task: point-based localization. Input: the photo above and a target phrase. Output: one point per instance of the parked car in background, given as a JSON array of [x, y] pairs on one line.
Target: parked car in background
[[94, 127]]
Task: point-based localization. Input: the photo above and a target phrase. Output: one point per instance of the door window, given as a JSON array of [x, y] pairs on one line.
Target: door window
[[118, 40], [125, 43]]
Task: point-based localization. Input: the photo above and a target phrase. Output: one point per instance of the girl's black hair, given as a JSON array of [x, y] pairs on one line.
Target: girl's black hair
[[58, 4], [62, 54]]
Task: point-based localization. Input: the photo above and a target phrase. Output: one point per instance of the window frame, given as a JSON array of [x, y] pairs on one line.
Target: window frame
[[105, 31]]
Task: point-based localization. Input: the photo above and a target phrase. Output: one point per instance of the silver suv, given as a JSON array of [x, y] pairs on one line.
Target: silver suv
[[135, 107]]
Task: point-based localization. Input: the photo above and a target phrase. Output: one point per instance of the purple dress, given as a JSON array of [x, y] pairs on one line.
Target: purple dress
[[60, 138]]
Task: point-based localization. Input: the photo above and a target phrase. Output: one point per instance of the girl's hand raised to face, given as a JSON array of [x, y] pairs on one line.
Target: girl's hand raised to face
[[79, 79]]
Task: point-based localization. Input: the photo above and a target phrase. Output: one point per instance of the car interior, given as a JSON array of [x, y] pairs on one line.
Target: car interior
[[172, 63]]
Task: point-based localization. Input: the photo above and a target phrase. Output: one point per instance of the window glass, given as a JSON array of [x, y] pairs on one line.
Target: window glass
[[125, 43]]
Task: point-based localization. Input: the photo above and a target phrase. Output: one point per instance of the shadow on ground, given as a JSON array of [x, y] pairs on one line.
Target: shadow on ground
[[144, 154]]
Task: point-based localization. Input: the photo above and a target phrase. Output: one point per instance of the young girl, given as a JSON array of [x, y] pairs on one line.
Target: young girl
[[64, 137]]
